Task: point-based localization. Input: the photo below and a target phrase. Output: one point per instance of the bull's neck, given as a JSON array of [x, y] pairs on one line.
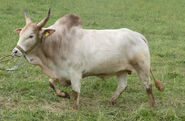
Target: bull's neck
[[33, 57], [53, 49], [43, 54], [38, 57]]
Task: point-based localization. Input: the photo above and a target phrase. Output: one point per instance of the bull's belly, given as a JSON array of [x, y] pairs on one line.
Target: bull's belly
[[108, 69]]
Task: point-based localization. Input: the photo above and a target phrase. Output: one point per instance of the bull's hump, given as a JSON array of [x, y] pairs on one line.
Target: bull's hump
[[69, 20]]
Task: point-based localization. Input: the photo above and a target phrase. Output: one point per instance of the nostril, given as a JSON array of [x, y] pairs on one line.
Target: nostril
[[16, 51]]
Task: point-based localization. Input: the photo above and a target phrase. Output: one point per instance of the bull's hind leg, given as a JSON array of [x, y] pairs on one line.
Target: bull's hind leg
[[143, 71], [122, 84], [57, 91]]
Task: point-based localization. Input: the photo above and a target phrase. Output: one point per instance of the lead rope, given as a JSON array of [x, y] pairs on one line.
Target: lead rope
[[5, 58], [16, 65], [9, 58]]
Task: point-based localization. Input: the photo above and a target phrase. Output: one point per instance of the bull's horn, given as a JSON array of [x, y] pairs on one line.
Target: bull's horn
[[28, 20], [44, 21]]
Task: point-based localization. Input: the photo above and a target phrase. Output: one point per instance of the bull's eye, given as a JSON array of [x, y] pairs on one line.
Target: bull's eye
[[31, 36]]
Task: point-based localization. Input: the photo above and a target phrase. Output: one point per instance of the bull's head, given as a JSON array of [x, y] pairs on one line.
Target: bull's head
[[31, 35]]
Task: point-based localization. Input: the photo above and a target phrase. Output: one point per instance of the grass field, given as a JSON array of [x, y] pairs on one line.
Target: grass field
[[26, 96]]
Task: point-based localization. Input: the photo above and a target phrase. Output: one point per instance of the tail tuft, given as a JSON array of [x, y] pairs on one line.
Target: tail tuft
[[158, 84]]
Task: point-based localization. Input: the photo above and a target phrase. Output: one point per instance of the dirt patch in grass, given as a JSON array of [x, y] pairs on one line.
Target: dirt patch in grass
[[33, 104], [8, 102]]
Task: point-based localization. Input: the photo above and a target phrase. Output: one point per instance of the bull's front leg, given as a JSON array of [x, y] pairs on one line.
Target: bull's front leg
[[57, 91], [76, 84]]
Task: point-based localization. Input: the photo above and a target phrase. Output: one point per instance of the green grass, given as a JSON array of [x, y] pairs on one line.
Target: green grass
[[26, 96]]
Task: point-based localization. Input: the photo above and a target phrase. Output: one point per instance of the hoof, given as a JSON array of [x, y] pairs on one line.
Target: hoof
[[112, 102], [152, 104], [64, 95], [75, 107], [67, 95]]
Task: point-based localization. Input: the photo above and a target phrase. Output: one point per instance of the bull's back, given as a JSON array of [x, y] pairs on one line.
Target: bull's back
[[108, 51]]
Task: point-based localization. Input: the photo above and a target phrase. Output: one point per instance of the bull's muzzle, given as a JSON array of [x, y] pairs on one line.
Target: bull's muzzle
[[16, 52]]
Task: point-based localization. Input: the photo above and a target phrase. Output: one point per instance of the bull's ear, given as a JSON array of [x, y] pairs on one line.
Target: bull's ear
[[48, 32], [18, 30]]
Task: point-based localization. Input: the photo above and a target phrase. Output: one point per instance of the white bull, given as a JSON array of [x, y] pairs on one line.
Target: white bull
[[66, 53]]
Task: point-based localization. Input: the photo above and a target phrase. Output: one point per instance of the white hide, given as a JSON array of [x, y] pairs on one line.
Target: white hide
[[101, 52]]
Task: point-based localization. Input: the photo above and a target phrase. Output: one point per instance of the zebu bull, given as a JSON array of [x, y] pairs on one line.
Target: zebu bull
[[67, 53]]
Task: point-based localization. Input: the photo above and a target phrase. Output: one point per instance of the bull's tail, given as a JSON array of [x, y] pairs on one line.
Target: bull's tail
[[158, 84]]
